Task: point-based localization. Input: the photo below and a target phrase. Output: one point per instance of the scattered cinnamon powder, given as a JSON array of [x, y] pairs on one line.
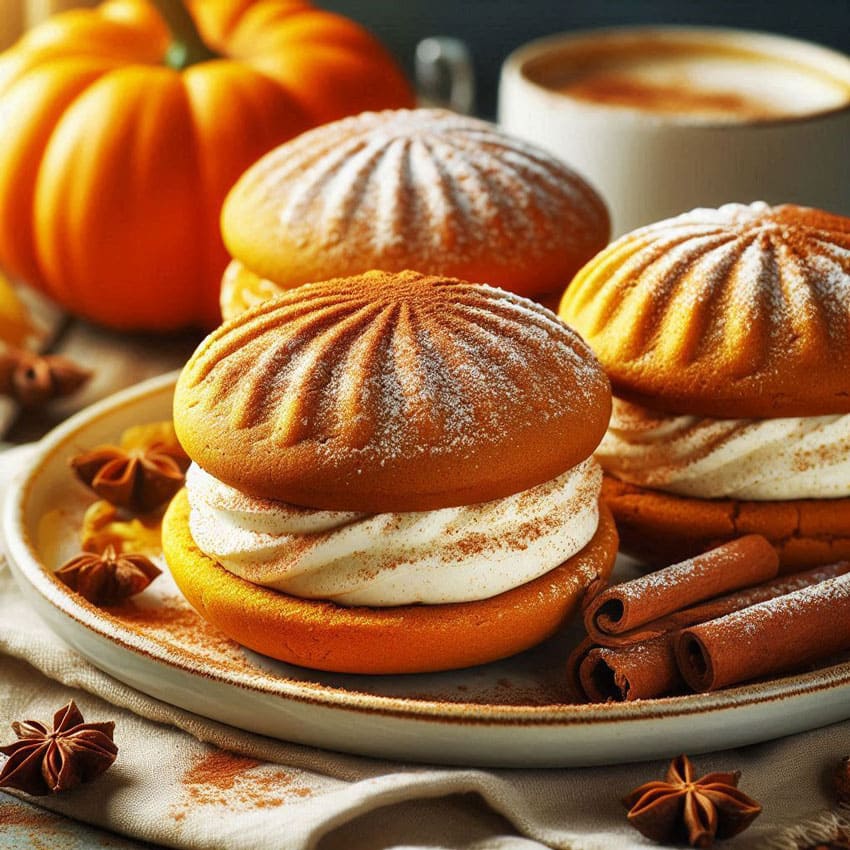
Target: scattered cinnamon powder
[[176, 626], [218, 770], [175, 623], [547, 524], [42, 830], [229, 779], [13, 814], [543, 686]]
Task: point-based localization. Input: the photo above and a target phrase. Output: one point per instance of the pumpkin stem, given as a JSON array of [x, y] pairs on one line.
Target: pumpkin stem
[[187, 47]]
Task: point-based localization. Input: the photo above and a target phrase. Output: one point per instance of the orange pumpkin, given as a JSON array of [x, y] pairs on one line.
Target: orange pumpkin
[[122, 132]]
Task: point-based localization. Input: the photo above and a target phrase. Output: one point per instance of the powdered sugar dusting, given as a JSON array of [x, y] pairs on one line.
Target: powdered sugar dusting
[[433, 184], [398, 366], [778, 272], [740, 294], [783, 633], [810, 608], [826, 592]]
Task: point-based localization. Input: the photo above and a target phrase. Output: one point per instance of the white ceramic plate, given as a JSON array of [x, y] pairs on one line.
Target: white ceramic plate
[[510, 713]]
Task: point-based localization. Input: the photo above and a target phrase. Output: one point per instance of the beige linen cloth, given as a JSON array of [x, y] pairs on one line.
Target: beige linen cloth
[[184, 781]]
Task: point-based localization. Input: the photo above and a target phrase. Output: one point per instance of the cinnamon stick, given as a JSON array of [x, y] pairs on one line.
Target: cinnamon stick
[[782, 634], [640, 671], [642, 664], [723, 605], [626, 607]]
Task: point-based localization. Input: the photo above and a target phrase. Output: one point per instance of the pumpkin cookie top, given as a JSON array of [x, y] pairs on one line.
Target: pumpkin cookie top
[[741, 311], [423, 189], [391, 392]]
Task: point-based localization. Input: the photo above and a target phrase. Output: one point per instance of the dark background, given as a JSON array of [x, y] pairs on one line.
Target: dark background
[[492, 28]]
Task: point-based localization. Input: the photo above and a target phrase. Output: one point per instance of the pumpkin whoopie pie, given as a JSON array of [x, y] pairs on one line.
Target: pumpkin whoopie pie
[[391, 473], [422, 189], [726, 335]]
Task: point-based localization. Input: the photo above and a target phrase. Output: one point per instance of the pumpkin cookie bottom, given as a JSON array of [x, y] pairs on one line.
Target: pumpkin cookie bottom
[[661, 528], [403, 639]]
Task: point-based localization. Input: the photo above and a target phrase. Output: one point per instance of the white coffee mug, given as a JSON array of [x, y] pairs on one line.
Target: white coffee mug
[[651, 163]]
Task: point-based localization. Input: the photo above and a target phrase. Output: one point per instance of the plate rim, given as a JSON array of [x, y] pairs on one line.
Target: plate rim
[[23, 554]]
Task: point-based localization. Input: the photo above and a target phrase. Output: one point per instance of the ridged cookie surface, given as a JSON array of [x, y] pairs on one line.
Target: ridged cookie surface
[[416, 189], [391, 392], [741, 311]]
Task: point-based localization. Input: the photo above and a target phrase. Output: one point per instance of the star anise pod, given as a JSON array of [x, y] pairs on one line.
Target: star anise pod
[[107, 578], [139, 479], [33, 379], [42, 761], [682, 809], [841, 781]]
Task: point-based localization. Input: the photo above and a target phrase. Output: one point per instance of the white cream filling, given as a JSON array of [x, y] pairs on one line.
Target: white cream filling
[[380, 560], [759, 459]]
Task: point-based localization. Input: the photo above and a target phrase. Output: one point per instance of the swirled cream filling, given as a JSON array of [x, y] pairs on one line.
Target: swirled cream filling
[[449, 555], [759, 459]]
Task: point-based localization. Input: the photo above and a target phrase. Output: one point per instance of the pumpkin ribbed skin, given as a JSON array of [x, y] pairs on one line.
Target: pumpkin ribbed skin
[[113, 167], [424, 189], [743, 311], [391, 393]]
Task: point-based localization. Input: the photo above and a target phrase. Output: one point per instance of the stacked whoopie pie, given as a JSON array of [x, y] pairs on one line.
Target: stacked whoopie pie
[[422, 189], [392, 472], [726, 335]]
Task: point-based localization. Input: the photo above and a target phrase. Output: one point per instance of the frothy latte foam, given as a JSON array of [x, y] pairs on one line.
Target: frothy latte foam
[[704, 82]]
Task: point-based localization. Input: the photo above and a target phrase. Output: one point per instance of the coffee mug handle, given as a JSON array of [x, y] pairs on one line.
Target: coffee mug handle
[[445, 74]]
